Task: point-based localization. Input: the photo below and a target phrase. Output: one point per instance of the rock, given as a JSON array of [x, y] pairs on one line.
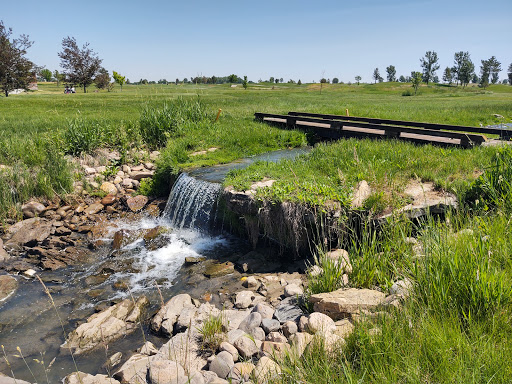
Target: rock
[[136, 203], [148, 349], [228, 347], [288, 309], [344, 328], [246, 347], [28, 233], [3, 253], [341, 257], [142, 175], [10, 380], [241, 372], [62, 231], [266, 370], [276, 337], [113, 360], [347, 302], [185, 319], [270, 325], [184, 349], [303, 324], [8, 286], [320, 323], [292, 290], [154, 155], [118, 180], [134, 370], [109, 199], [244, 299], [361, 192], [127, 183], [164, 320], [234, 334], [126, 169], [219, 269], [93, 208], [193, 260], [289, 328], [32, 209], [265, 310], [108, 188], [250, 322], [85, 378], [166, 372], [258, 333], [234, 318], [195, 377], [315, 271], [300, 341], [106, 326], [222, 364], [273, 349], [401, 287], [251, 283]]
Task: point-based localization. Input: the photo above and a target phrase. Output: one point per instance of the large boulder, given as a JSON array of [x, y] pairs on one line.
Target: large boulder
[[166, 372], [32, 209], [8, 286], [28, 233], [163, 322], [347, 302], [185, 350], [134, 370], [107, 326]]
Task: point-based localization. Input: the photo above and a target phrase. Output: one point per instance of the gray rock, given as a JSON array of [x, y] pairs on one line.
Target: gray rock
[[134, 370], [300, 341], [32, 209], [106, 326], [287, 310], [85, 378], [166, 372], [289, 328], [241, 372], [361, 192], [266, 370], [251, 283], [222, 364], [233, 318], [148, 349], [244, 299], [340, 257], [401, 287], [258, 333], [246, 347], [185, 350], [228, 347], [250, 322], [113, 360], [265, 310], [276, 337], [292, 290], [195, 377], [164, 320], [234, 334], [270, 325], [303, 324]]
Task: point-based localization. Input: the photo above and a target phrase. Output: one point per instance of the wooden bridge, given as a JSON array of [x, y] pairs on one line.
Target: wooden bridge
[[337, 126]]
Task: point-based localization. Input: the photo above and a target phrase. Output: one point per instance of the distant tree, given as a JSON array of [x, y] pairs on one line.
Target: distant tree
[[271, 80], [162, 81], [509, 74], [377, 76], [244, 84], [277, 80], [214, 80], [504, 82], [102, 79], [128, 81], [463, 69], [358, 79], [323, 80], [119, 79], [232, 78], [80, 65], [15, 68], [447, 76], [46, 74], [177, 81], [416, 78], [391, 71], [402, 79], [143, 81], [430, 65], [335, 80], [494, 69], [300, 82], [59, 77], [475, 79]]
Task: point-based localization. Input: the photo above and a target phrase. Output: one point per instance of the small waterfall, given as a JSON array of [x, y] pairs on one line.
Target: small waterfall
[[191, 203]]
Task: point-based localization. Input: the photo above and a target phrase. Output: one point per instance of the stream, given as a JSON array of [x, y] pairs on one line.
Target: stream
[[29, 321]]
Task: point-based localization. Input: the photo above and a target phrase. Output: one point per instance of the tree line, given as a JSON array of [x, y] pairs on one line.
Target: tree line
[[81, 66]]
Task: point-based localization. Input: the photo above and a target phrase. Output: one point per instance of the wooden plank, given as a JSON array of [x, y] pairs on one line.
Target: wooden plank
[[459, 128]]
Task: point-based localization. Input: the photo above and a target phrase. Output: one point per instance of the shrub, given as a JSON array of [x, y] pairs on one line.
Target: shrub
[[81, 136]]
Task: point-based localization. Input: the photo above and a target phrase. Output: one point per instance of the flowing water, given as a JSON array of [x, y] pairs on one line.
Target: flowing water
[[29, 320]]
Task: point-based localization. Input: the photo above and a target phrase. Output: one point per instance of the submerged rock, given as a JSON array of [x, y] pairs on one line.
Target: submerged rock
[[136, 203], [8, 286], [219, 269]]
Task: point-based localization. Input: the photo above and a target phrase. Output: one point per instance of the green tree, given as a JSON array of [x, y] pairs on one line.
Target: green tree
[[494, 69], [416, 78], [447, 76], [271, 80], [391, 71], [119, 79], [377, 76], [485, 73], [463, 69], [277, 81], [509, 73], [232, 78], [80, 65], [358, 79], [335, 80], [244, 83], [15, 68], [402, 79], [46, 74], [300, 82], [59, 77], [102, 79], [430, 65]]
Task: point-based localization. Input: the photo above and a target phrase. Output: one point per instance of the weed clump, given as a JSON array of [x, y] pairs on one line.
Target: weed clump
[[212, 333]]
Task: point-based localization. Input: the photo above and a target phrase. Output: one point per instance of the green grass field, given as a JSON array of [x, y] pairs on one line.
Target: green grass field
[[455, 328]]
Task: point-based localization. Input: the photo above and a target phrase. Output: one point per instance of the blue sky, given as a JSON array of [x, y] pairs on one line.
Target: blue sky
[[157, 39]]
